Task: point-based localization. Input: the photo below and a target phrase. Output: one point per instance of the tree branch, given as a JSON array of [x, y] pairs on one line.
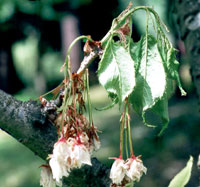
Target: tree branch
[[87, 61], [25, 122]]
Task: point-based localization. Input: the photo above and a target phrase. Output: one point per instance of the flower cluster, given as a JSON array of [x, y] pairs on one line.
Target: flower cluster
[[66, 156], [77, 136], [69, 153], [123, 172]]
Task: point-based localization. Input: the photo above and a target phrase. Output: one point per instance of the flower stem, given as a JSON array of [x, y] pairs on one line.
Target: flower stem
[[70, 48], [88, 97], [126, 142], [74, 101], [127, 118], [64, 101], [130, 139], [122, 135]]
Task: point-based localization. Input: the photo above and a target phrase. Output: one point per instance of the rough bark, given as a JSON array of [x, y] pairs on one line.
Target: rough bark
[[188, 22], [25, 122]]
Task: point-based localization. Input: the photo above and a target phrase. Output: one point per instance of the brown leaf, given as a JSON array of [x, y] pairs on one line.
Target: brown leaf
[[56, 90], [91, 46], [125, 29]]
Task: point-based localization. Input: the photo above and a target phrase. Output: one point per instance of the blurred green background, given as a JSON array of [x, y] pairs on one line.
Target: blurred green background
[[34, 38]]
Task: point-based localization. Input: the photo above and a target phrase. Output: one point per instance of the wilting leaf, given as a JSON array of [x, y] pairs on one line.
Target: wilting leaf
[[172, 65], [142, 71], [135, 52], [161, 109], [183, 177], [150, 76], [116, 71], [168, 54]]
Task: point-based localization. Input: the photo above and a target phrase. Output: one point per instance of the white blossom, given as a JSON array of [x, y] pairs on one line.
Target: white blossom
[[67, 155], [80, 155], [60, 160], [46, 178], [135, 169], [59, 169], [61, 151], [118, 171]]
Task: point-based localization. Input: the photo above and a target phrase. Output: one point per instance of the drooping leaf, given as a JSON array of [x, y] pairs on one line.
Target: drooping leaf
[[116, 70], [155, 68], [150, 75], [168, 54], [161, 109], [135, 52], [183, 177], [173, 65]]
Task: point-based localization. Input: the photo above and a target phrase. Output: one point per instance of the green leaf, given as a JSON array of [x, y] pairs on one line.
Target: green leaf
[[135, 52], [116, 71], [155, 68], [172, 65], [168, 54], [182, 178], [161, 109], [151, 80]]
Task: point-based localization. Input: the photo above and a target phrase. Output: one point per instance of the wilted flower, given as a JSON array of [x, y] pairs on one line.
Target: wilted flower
[[118, 171], [97, 144], [94, 139], [135, 169], [59, 169], [60, 161], [46, 178], [61, 150], [67, 155], [94, 145], [80, 155]]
